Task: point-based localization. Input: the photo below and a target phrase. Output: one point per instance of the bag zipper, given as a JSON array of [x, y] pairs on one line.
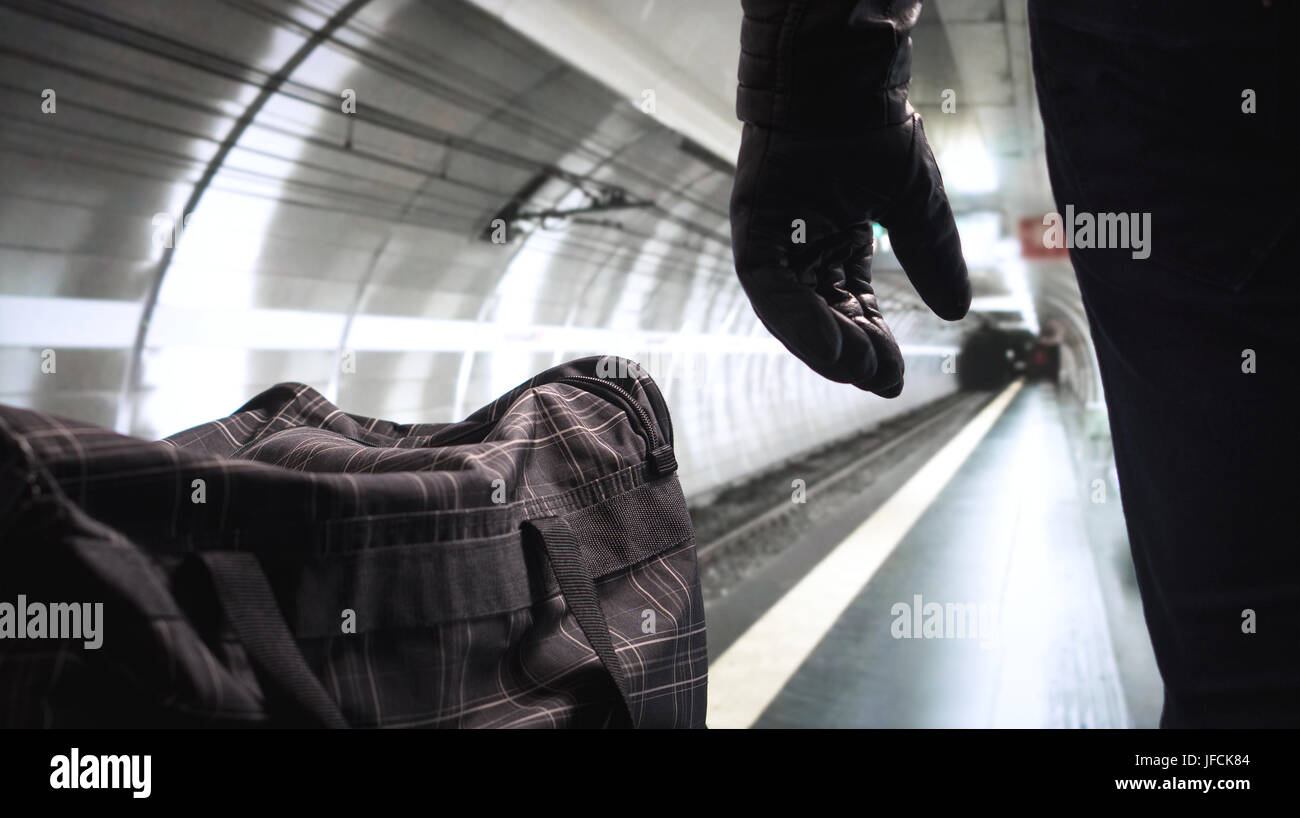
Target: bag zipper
[[661, 458]]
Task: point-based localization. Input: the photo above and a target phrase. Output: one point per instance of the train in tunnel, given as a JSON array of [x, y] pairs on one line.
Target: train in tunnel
[[594, 363]]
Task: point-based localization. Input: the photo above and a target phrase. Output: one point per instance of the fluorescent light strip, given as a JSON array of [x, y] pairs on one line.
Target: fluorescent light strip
[[79, 323], [27, 321], [749, 674]]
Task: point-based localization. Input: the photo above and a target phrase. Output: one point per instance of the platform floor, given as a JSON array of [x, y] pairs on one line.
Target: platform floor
[[1002, 600]]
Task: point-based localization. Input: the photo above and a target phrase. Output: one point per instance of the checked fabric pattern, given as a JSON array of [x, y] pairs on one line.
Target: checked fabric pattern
[[410, 534]]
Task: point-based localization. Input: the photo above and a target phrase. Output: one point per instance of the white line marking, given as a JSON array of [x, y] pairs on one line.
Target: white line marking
[[749, 674]]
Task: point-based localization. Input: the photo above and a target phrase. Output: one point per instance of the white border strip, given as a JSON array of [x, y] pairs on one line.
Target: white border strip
[[749, 674], [625, 61]]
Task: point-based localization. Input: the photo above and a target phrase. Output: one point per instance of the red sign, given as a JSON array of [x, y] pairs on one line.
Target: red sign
[[1033, 242]]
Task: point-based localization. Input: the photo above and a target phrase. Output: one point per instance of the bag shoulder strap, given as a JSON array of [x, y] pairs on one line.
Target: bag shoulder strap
[[578, 587], [251, 609]]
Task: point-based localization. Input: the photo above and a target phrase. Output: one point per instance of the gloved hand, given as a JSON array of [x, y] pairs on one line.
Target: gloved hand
[[830, 140]]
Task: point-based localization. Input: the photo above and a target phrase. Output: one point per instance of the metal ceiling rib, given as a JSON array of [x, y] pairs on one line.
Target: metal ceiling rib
[[232, 138], [90, 21]]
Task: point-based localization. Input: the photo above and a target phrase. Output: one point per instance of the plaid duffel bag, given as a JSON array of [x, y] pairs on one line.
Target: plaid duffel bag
[[293, 564]]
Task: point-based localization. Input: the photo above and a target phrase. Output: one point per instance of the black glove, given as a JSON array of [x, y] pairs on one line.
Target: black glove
[[830, 139]]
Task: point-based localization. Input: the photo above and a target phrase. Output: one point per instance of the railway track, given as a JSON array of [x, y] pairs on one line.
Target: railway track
[[711, 550]]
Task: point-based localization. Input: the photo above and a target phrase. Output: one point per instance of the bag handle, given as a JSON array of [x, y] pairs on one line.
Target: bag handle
[[254, 615], [578, 587]]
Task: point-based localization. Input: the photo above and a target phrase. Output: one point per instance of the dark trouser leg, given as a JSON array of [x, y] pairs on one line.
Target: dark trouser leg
[[1208, 455]]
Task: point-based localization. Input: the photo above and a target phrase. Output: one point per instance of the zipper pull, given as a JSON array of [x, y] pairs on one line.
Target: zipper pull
[[663, 461]]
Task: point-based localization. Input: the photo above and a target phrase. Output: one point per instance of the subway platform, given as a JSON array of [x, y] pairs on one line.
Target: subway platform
[[979, 581]]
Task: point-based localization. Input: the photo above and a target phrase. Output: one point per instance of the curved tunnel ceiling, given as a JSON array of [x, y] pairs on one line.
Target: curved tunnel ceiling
[[353, 250]]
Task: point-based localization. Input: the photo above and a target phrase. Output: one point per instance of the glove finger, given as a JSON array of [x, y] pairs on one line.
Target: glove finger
[[828, 341], [887, 381], [924, 236]]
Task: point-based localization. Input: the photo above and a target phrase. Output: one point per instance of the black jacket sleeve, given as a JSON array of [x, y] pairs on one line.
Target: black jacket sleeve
[[825, 65]]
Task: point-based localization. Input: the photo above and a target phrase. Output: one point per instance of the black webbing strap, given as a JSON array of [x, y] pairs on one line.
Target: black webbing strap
[[251, 609], [579, 590]]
